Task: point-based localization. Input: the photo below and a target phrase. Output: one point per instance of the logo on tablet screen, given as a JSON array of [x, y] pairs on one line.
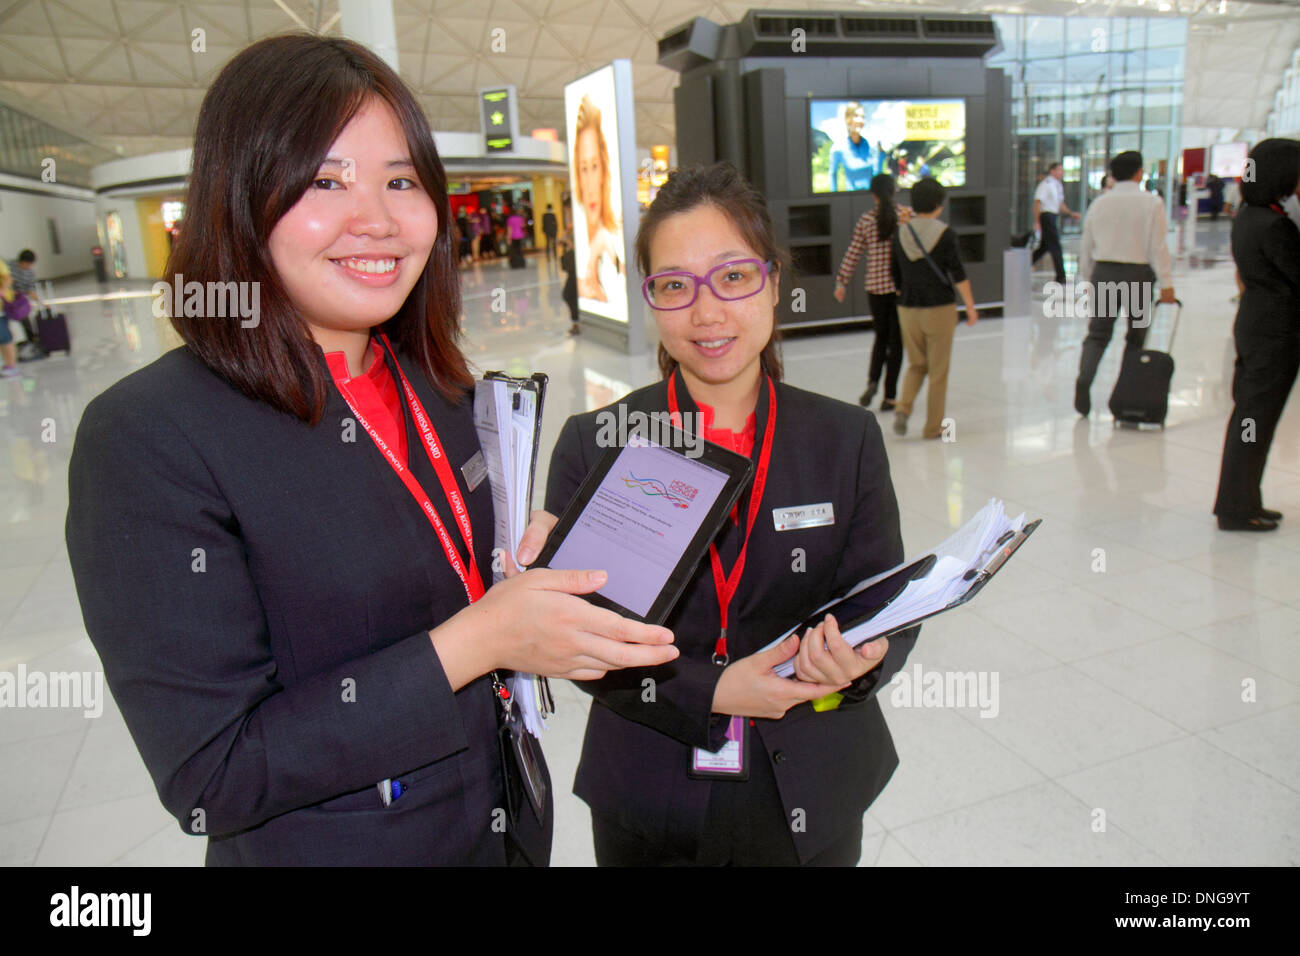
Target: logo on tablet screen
[[679, 494]]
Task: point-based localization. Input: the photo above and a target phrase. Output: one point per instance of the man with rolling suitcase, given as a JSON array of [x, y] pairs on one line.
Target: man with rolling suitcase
[[1125, 255]]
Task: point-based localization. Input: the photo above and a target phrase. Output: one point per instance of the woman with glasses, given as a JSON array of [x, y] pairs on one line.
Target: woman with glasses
[[712, 758]]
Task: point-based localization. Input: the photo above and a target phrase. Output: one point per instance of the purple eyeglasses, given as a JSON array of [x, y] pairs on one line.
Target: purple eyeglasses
[[737, 279]]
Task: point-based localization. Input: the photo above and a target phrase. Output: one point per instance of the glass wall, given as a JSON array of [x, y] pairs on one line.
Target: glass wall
[[1084, 89], [26, 143], [1284, 120]]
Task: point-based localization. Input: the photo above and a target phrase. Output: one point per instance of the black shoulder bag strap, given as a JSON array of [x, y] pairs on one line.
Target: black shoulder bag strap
[[933, 265]]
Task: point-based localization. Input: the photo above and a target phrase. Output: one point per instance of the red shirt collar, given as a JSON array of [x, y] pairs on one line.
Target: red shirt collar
[[376, 370], [741, 442]]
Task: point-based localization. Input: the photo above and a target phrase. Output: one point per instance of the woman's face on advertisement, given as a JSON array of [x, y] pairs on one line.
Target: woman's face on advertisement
[[590, 176], [715, 340], [854, 120], [353, 246]]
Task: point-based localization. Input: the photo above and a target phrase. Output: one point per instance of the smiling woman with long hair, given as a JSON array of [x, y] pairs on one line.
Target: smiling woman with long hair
[[279, 534]]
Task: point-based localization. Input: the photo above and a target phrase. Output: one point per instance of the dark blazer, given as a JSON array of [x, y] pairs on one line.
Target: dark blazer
[[259, 591], [1266, 249], [831, 764]]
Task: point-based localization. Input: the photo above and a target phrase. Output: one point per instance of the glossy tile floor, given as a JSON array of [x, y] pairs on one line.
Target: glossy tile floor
[[1148, 665]]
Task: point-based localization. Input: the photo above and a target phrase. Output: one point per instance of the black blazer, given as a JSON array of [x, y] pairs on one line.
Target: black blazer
[[831, 764], [260, 591], [1266, 248]]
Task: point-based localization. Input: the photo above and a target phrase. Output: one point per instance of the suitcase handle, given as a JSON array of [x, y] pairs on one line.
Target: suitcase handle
[[1178, 311]]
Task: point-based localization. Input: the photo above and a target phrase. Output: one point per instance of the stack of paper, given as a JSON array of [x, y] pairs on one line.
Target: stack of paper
[[507, 417], [957, 563]]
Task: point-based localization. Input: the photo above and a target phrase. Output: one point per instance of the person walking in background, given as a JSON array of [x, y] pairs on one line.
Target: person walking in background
[[515, 223], [1123, 249], [8, 351], [1049, 203], [926, 268], [465, 248], [483, 228], [23, 271], [1215, 185], [873, 235], [569, 266], [550, 229], [1266, 248]]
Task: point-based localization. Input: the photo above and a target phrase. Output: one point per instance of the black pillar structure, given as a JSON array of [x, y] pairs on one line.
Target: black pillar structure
[[745, 95]]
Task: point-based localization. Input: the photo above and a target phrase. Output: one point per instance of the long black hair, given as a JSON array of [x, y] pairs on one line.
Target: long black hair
[[882, 187], [264, 128]]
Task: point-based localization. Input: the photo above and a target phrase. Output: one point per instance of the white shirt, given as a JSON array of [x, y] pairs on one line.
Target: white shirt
[[1051, 194], [1126, 224]]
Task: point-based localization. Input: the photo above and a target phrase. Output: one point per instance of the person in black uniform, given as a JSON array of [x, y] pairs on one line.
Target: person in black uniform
[[279, 538], [550, 229], [570, 294], [1266, 249], [713, 285]]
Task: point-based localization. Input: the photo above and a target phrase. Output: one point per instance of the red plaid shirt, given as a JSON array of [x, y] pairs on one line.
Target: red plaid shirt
[[879, 280]]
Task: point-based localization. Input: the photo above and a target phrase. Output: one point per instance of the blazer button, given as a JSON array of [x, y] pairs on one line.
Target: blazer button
[[778, 757]]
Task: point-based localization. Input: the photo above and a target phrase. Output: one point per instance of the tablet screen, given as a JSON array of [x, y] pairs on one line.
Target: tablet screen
[[640, 520]]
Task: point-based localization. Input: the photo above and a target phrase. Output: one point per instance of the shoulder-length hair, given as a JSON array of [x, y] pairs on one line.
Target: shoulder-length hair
[[721, 186], [589, 120], [265, 126]]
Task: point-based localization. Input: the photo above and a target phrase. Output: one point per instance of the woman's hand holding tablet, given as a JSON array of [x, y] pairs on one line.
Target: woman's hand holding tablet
[[532, 622], [571, 639]]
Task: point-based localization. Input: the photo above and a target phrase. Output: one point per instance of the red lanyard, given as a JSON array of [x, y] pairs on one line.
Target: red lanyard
[[726, 585], [469, 576]]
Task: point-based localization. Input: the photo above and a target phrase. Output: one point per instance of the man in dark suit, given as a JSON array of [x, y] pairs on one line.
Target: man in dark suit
[[551, 229]]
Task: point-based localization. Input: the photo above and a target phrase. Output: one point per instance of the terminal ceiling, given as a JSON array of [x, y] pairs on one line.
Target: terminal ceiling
[[123, 73]]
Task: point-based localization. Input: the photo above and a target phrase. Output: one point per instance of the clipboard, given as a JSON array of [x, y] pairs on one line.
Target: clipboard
[[533, 383], [859, 607], [998, 556], [979, 578]]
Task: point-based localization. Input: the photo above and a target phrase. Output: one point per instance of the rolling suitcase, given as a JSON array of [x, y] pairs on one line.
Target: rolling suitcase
[[52, 332], [51, 329], [1141, 393]]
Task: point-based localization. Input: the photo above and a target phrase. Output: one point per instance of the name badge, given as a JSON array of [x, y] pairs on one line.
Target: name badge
[[728, 763], [474, 470], [804, 516]]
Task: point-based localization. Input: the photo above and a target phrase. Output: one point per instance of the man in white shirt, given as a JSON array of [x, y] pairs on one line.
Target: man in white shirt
[[1124, 253], [1049, 202]]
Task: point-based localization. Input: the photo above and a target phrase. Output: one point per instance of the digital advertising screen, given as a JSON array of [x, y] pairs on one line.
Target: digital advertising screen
[[1228, 160], [851, 141], [595, 172]]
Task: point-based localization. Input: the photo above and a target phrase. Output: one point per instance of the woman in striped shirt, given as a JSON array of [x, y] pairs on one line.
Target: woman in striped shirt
[[873, 233]]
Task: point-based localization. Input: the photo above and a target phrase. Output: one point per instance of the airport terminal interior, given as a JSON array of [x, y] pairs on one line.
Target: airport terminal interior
[[1145, 664]]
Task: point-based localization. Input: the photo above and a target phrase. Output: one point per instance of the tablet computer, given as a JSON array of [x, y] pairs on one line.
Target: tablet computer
[[645, 515]]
